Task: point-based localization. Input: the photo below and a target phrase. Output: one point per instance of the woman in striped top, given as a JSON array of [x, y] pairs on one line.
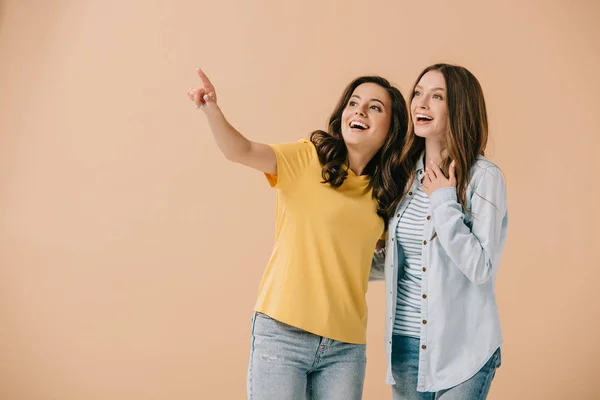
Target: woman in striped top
[[443, 246], [408, 234]]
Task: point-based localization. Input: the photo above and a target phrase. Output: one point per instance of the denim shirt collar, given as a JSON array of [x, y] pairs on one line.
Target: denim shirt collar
[[420, 163], [419, 169]]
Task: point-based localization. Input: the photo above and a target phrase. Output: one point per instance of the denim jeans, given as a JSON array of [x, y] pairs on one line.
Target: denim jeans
[[288, 363], [405, 363]]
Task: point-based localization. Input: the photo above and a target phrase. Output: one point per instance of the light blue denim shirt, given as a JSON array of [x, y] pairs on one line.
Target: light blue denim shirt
[[461, 254]]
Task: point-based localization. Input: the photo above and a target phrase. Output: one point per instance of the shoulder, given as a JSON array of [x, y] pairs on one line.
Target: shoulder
[[485, 171], [299, 146], [483, 166]]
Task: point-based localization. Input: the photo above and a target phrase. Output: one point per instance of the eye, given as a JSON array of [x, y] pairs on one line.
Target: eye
[[437, 96], [417, 93], [352, 103], [376, 108]]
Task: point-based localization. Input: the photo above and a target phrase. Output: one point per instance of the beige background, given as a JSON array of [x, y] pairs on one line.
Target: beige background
[[131, 251]]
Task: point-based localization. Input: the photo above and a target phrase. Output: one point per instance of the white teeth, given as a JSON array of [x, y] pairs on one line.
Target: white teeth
[[427, 117], [354, 124]]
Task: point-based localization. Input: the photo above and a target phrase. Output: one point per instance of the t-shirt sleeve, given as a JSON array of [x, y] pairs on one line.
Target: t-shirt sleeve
[[292, 161]]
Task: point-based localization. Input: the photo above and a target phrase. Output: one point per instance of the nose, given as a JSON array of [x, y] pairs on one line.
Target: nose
[[421, 102], [360, 110]]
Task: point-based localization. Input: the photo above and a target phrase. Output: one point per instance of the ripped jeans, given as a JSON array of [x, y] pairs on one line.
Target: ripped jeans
[[288, 363]]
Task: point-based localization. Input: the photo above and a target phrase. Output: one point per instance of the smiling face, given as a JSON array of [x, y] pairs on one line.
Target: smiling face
[[366, 118], [429, 108]]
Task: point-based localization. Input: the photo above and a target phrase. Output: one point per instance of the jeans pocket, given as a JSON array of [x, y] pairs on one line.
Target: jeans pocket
[[263, 316], [265, 326], [498, 358]]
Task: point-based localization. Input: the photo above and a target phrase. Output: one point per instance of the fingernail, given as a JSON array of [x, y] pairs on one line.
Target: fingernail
[[206, 97]]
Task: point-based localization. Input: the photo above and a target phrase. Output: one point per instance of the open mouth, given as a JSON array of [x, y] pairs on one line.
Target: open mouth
[[423, 118], [361, 126]]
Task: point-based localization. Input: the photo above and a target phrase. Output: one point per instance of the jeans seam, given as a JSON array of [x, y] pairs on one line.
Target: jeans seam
[[250, 369]]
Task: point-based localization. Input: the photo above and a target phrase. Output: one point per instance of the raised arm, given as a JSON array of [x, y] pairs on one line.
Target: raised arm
[[234, 146]]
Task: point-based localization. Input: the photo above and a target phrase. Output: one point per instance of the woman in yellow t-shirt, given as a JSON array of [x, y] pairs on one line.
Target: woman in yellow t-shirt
[[334, 194]]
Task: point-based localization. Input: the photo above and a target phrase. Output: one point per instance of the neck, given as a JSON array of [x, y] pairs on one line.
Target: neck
[[358, 160], [433, 152]]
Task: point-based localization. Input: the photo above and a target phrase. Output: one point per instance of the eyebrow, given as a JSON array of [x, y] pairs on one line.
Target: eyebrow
[[373, 99], [435, 88]]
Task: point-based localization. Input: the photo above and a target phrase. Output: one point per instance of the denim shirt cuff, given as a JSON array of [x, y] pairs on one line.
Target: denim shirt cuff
[[441, 196]]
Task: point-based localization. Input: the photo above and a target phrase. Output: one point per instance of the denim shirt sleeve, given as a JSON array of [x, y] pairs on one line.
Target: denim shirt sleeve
[[377, 265], [476, 250]]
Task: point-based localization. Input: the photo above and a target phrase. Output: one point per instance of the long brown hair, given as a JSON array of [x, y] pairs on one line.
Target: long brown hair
[[384, 168], [467, 128]]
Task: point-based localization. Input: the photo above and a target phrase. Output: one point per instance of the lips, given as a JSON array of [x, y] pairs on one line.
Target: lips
[[358, 125], [422, 119]]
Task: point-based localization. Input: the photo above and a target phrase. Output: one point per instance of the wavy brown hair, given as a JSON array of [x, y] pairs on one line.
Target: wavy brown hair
[[467, 128], [384, 168]]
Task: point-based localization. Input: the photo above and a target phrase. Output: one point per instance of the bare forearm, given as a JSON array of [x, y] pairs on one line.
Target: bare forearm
[[234, 146], [231, 142]]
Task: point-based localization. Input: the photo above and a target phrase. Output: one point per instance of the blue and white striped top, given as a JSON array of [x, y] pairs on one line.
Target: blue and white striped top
[[409, 234]]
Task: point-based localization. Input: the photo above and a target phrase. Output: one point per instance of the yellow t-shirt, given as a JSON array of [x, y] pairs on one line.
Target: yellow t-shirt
[[317, 277]]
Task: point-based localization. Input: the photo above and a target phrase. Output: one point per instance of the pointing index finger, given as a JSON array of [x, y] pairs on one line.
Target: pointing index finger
[[204, 79]]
